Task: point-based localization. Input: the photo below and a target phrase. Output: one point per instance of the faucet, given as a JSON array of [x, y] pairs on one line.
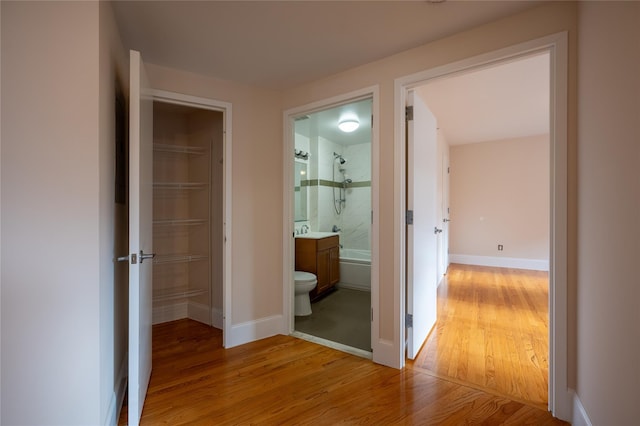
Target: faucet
[[335, 229], [304, 229]]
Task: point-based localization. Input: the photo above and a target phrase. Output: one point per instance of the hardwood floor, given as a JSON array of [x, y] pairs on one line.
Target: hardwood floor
[[492, 332], [283, 380]]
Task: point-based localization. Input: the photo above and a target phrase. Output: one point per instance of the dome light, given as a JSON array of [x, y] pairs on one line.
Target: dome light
[[348, 125]]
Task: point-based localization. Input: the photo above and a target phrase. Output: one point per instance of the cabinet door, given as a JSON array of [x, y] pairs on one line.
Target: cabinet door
[[323, 259], [334, 265]]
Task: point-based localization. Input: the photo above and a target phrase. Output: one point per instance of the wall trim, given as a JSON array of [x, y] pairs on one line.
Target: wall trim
[[580, 417], [171, 312], [117, 398], [217, 318], [500, 262], [254, 330], [199, 312]]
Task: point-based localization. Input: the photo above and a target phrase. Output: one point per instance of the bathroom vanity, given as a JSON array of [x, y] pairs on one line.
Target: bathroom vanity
[[319, 253]]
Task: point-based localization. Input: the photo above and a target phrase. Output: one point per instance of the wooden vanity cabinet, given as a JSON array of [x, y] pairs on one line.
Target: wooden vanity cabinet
[[320, 256]]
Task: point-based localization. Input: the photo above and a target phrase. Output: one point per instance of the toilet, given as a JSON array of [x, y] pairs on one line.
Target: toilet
[[304, 283]]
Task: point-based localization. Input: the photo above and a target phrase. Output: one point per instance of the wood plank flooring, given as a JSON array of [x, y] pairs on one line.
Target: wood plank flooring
[[492, 332], [284, 381]]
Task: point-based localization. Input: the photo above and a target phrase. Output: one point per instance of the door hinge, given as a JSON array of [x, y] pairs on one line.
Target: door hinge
[[408, 320], [409, 217], [408, 113], [371, 314]]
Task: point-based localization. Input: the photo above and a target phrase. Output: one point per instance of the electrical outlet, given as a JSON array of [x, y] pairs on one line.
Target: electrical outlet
[[500, 247]]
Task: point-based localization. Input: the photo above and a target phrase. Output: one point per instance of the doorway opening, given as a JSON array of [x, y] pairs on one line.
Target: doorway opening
[[332, 210], [330, 191], [187, 161], [187, 214], [495, 123], [559, 399]]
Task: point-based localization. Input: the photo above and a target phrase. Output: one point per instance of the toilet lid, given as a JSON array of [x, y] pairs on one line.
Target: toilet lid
[[300, 276]]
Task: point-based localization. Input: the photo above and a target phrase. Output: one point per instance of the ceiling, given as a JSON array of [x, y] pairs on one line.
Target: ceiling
[[325, 123], [281, 44], [507, 101]]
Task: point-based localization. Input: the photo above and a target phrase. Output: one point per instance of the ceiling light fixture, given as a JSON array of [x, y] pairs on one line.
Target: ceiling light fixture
[[348, 125]]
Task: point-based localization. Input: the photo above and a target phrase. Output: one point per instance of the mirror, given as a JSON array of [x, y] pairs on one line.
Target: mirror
[[301, 183]]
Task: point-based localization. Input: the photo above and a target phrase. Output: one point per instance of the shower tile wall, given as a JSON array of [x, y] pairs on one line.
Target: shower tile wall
[[356, 215], [327, 216], [355, 219]]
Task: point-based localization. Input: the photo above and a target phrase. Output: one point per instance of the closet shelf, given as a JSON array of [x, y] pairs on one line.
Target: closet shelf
[[179, 185], [179, 222], [177, 293], [178, 149], [178, 258]]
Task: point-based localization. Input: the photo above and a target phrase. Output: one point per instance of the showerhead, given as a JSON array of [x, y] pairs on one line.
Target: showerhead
[[339, 158]]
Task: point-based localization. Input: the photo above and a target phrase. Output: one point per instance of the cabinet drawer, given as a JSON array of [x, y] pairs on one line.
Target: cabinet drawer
[[327, 243]]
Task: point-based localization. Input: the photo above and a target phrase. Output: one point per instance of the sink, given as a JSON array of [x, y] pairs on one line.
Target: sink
[[317, 235]]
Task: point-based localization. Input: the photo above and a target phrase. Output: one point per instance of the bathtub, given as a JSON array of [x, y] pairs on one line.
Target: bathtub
[[355, 269]]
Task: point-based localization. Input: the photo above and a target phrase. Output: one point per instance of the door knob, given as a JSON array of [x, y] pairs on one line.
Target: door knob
[[144, 256]]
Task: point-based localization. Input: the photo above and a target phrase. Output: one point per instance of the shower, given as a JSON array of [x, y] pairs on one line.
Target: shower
[[339, 199]]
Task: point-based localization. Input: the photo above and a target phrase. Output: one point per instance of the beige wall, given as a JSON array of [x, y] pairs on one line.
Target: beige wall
[[500, 195], [257, 187], [51, 198], [538, 22], [113, 297], [608, 318]]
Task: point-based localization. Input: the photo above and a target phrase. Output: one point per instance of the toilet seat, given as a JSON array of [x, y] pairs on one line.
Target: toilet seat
[[304, 277]]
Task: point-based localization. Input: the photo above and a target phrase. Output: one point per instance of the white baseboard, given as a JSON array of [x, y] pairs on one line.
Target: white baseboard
[[217, 319], [500, 262], [117, 398], [168, 313], [251, 331], [199, 312], [580, 417], [386, 353]]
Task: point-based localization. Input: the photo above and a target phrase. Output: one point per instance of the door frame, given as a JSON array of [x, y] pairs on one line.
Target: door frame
[[223, 317], [288, 245], [560, 400]]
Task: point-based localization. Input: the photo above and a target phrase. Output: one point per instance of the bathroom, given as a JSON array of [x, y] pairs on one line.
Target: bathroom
[[332, 197]]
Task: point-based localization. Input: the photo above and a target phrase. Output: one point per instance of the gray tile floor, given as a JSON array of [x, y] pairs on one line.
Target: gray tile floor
[[342, 316]]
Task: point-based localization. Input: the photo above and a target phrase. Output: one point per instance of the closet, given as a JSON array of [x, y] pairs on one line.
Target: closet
[[187, 213]]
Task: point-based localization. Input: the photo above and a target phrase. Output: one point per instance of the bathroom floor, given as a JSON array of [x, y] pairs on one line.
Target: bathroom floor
[[342, 317]]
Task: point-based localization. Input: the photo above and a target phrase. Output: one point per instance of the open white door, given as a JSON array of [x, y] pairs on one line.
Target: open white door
[[140, 235], [421, 268], [445, 210]]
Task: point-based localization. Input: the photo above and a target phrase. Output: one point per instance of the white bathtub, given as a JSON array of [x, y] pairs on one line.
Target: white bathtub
[[355, 269]]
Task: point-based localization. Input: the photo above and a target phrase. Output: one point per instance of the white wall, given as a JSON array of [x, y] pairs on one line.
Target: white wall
[[608, 318], [51, 198], [500, 195]]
